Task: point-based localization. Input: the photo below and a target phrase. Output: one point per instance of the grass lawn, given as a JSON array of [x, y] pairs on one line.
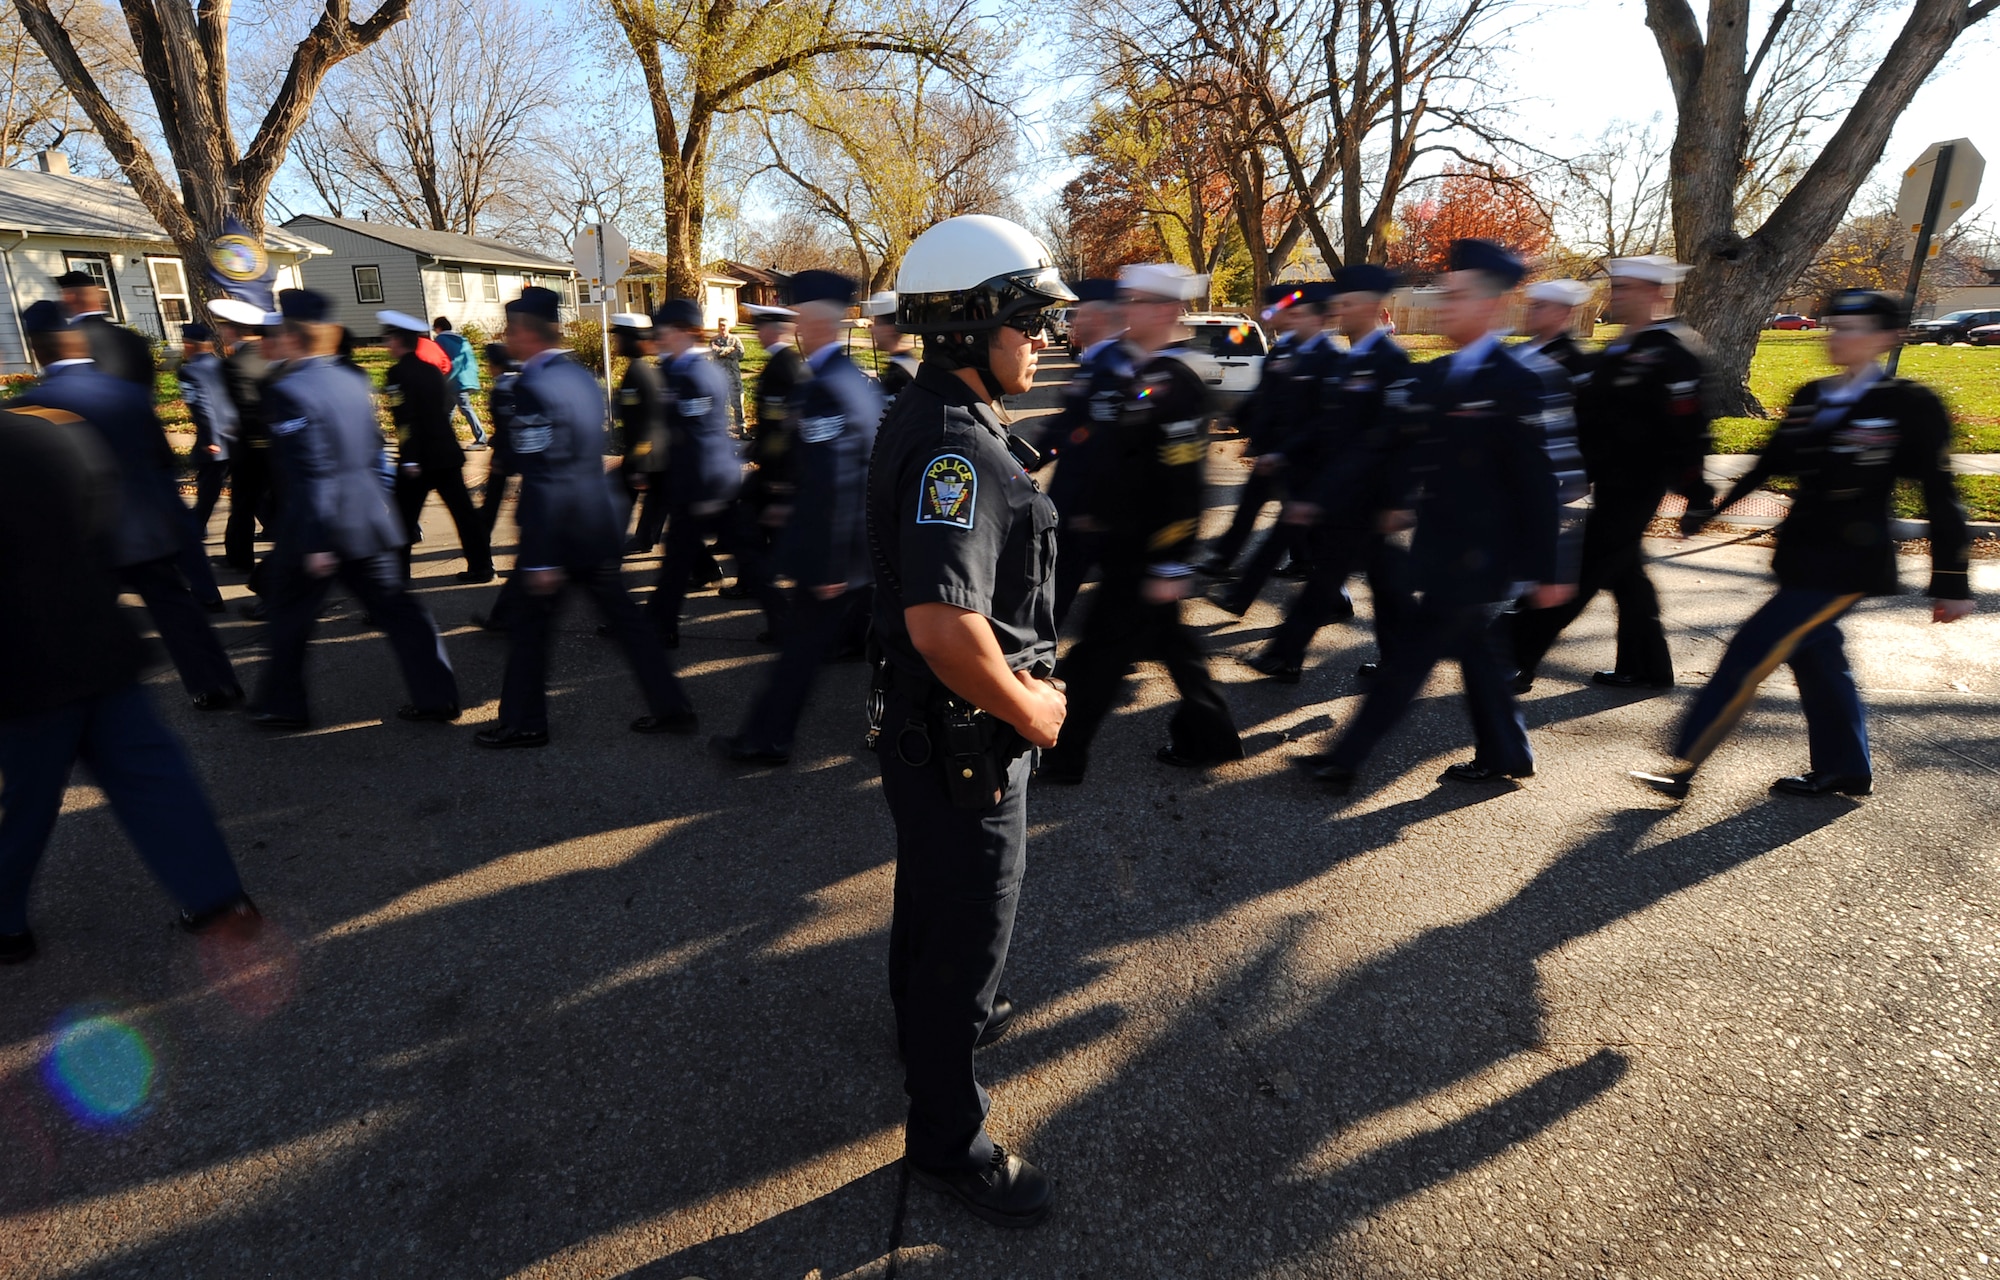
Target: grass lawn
[[1967, 377]]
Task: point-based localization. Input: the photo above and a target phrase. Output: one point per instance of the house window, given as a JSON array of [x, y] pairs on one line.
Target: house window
[[489, 285], [100, 270], [170, 292], [368, 284], [454, 284]]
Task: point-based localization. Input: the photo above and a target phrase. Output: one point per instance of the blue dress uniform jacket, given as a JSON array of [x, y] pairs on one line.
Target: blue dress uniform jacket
[[1356, 438], [836, 413], [152, 524], [333, 470], [1262, 421], [205, 390], [570, 516], [1080, 437], [1487, 494], [1302, 408], [704, 466]]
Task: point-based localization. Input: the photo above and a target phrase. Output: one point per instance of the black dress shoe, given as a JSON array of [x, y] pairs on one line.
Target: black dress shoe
[[1667, 784], [237, 917], [1216, 569], [428, 715], [1368, 671], [1229, 604], [1473, 771], [1274, 668], [1520, 684], [500, 737], [1008, 1192], [272, 720], [486, 622], [1622, 680], [1342, 610], [1820, 784], [997, 1022], [217, 699], [637, 547], [17, 948], [733, 748], [680, 722], [256, 611], [737, 590], [708, 577], [1338, 780], [475, 575]]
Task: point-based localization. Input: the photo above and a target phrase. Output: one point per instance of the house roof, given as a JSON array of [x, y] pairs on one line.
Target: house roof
[[448, 245], [653, 266], [754, 275], [60, 204]]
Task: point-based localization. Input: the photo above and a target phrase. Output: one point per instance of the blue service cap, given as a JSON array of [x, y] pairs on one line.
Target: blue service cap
[[543, 304], [304, 306], [197, 332], [44, 317], [1866, 302], [822, 286], [1363, 277], [1472, 254], [679, 313], [1096, 289]]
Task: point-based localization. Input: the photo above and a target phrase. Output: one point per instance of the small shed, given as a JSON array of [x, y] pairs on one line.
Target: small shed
[[374, 266], [53, 221]]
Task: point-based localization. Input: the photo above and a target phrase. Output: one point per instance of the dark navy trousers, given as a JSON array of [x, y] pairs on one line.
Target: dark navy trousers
[[379, 583], [816, 631], [524, 699], [958, 881], [1337, 554], [146, 778], [183, 624], [1801, 628]]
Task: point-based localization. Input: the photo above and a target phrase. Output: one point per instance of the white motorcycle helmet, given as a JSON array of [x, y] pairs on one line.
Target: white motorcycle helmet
[[966, 277]]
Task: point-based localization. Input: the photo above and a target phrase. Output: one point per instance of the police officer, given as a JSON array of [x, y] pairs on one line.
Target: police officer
[[240, 329], [824, 546], [897, 349], [1551, 325], [704, 474], [429, 457], [1148, 495], [1339, 489], [767, 492], [118, 351], [572, 524], [153, 534], [1078, 439], [1643, 424], [205, 392], [1261, 423], [1847, 439], [1485, 507], [963, 545], [642, 425], [336, 519]]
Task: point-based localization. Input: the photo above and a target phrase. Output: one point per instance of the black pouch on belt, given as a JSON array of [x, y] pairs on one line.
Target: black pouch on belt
[[972, 768]]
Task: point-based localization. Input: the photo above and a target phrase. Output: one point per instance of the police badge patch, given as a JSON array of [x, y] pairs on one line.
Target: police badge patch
[[949, 492]]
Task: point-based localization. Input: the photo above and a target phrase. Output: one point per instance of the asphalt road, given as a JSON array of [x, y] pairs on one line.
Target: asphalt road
[[618, 1009]]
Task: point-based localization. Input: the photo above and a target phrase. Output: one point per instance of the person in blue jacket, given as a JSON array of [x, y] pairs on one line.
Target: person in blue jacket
[[572, 516], [336, 518], [205, 391], [464, 375], [824, 546], [153, 536], [706, 471]]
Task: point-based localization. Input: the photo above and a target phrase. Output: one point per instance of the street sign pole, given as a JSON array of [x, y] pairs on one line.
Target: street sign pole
[[1933, 204]]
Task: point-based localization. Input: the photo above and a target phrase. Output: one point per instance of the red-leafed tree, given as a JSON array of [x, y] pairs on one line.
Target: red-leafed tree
[[1467, 201]]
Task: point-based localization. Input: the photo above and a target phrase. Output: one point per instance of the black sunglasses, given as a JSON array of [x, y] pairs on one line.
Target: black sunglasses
[[1034, 324]]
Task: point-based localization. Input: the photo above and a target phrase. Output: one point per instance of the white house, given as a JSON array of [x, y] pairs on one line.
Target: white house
[[52, 222], [373, 266]]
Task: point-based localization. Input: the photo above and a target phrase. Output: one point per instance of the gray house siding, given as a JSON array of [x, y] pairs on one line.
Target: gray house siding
[[415, 283]]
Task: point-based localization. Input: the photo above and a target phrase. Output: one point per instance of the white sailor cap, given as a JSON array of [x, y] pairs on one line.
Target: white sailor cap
[[631, 320], [1168, 280], [881, 304], [760, 314], [238, 312], [1569, 293], [401, 321], [1653, 268]]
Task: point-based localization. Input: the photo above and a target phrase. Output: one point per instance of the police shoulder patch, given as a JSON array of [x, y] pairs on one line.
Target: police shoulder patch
[[949, 492]]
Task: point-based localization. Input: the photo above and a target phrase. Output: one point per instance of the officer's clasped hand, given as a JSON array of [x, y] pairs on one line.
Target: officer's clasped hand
[[1047, 708]]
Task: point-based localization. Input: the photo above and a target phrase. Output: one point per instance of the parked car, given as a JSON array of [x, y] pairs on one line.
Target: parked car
[[1948, 329], [1986, 335], [1059, 325], [1228, 352], [1791, 322]]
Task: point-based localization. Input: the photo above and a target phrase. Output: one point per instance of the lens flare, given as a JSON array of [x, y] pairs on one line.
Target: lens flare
[[101, 1068]]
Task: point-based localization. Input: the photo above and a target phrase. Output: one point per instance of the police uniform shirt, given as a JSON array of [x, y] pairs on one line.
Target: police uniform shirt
[[1643, 415], [953, 519], [1848, 443]]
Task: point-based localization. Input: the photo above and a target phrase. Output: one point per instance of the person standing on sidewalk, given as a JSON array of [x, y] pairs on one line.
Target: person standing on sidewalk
[[1847, 439], [726, 349], [464, 375]]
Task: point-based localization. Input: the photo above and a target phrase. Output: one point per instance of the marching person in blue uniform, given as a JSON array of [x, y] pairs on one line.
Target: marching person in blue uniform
[[765, 498], [1847, 440], [1148, 495], [1642, 421], [118, 351], [704, 472], [1078, 438], [240, 340], [572, 517], [1551, 324], [1262, 425], [336, 518], [205, 391], [963, 544], [153, 535], [504, 370], [898, 349], [429, 458], [641, 410], [824, 546], [72, 692], [1340, 495], [1485, 492]]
